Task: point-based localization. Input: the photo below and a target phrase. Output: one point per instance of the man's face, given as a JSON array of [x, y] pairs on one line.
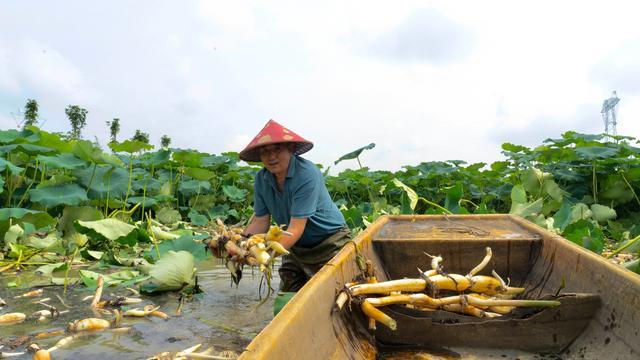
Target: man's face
[[276, 157]]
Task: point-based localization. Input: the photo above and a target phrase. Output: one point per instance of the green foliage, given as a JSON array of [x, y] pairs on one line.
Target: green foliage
[[174, 271], [78, 118], [165, 141], [140, 136], [30, 113], [355, 154], [581, 186], [114, 129]]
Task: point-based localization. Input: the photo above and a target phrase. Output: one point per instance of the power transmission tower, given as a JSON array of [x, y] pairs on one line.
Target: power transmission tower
[[609, 114]]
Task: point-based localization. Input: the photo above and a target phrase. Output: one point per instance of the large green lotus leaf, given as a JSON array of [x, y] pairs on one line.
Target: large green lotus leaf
[[499, 166], [615, 188], [567, 175], [410, 193], [113, 181], [27, 149], [157, 158], [203, 203], [354, 154], [9, 136], [405, 204], [532, 180], [514, 148], [581, 138], [632, 174], [550, 206], [213, 160], [526, 209], [199, 174], [49, 269], [62, 161], [147, 202], [87, 151], [12, 235], [111, 159], [90, 278], [552, 189], [197, 219], [15, 213], [112, 229], [595, 152], [56, 179], [518, 195], [585, 234], [66, 194], [70, 214], [185, 242], [192, 187], [168, 216], [1, 184], [46, 242], [234, 194], [562, 217], [188, 157], [152, 185], [54, 141], [4, 164], [220, 211], [602, 213], [580, 211], [453, 197], [174, 271], [353, 217], [130, 146]]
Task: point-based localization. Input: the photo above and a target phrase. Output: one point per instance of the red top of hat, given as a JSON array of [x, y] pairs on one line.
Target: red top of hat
[[274, 133]]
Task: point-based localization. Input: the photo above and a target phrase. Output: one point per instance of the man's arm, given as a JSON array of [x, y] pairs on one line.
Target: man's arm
[[258, 225], [296, 228]]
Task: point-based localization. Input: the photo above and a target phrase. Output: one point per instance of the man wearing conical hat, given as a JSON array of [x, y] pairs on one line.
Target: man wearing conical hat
[[291, 191]]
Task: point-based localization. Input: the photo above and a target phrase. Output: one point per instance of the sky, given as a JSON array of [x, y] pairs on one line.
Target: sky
[[423, 80]]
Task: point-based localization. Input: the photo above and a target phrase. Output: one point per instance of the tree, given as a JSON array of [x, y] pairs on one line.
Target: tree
[[30, 113], [114, 128], [165, 141], [78, 118], [141, 136]]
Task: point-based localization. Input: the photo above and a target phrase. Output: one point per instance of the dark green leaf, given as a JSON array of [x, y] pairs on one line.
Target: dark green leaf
[[354, 154], [66, 194]]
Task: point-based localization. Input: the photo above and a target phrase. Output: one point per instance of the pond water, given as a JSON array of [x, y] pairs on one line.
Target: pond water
[[224, 316]]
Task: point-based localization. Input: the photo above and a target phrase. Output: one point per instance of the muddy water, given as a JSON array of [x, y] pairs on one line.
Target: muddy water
[[223, 316]]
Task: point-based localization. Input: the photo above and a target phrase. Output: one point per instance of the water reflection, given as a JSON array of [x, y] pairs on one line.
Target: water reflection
[[224, 316]]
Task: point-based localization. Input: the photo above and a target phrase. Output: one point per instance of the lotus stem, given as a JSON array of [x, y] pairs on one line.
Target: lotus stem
[[98, 294], [385, 287], [378, 315], [469, 310], [342, 299], [482, 264]]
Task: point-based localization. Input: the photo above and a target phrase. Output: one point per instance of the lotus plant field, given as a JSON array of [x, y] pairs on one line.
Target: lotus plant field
[[130, 216]]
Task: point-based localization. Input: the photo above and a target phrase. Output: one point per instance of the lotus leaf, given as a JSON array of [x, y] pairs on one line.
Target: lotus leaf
[[65, 194], [602, 213], [174, 271], [198, 219], [233, 193], [112, 229], [585, 234], [62, 161]]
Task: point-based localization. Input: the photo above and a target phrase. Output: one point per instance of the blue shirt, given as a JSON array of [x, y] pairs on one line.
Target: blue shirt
[[304, 195]]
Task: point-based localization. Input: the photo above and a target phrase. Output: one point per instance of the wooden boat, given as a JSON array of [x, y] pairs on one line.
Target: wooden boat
[[599, 318]]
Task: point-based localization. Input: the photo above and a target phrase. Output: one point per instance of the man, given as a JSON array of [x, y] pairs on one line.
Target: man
[[291, 190]]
